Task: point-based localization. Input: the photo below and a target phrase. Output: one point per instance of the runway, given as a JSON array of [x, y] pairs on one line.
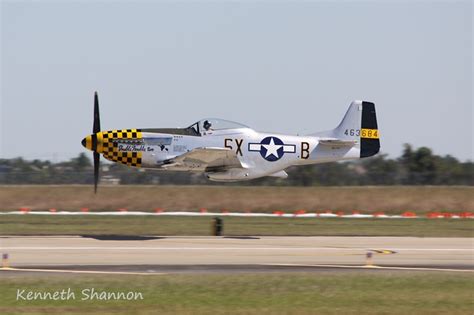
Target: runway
[[226, 254]]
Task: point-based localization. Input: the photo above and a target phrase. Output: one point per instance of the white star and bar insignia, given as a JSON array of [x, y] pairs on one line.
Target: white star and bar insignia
[[272, 148]]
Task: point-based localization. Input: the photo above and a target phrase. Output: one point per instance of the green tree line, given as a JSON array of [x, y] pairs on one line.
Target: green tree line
[[414, 167]]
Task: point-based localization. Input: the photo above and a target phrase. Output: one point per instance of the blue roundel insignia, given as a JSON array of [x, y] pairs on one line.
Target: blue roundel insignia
[[271, 149]]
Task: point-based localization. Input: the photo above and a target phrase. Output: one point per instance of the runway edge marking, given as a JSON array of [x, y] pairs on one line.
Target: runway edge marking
[[83, 271], [228, 214], [371, 267]]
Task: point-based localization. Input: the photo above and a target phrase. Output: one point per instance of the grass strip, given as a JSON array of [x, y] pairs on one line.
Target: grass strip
[[233, 226]]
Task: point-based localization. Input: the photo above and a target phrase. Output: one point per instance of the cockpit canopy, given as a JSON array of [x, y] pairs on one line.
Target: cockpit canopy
[[213, 124]]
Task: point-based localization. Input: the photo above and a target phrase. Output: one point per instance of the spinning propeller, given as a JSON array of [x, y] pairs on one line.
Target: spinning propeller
[[90, 142]]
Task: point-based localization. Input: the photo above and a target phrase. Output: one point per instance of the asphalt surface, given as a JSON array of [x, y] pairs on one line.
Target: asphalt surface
[[154, 254]]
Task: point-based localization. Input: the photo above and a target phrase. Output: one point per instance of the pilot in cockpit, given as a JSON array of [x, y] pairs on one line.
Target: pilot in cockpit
[[207, 125]]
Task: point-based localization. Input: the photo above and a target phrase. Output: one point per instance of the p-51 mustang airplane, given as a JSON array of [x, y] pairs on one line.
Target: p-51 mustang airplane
[[228, 151]]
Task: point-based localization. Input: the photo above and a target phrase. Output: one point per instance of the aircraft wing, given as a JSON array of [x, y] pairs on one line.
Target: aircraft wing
[[204, 159]]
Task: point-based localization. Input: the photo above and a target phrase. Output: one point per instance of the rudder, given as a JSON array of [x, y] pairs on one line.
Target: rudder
[[369, 133]]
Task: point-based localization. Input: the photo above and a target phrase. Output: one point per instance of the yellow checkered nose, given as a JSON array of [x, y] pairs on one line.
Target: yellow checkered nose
[[122, 146]]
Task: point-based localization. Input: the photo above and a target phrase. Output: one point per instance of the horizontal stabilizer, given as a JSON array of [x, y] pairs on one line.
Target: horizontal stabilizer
[[338, 142]]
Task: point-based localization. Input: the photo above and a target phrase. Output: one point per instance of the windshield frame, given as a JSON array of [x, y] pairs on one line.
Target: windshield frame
[[216, 124]]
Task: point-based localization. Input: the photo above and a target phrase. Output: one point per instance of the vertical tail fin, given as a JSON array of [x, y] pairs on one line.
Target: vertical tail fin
[[360, 125], [369, 133]]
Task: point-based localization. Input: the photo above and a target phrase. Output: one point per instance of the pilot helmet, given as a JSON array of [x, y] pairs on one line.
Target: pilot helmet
[[207, 125]]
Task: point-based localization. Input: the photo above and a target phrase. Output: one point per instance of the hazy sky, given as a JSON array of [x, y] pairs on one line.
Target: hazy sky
[[289, 67]]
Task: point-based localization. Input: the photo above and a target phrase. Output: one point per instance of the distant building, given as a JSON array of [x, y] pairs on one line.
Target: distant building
[[109, 180]]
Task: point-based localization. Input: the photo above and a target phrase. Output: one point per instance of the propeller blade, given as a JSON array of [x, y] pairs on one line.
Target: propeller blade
[[96, 170], [96, 127]]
